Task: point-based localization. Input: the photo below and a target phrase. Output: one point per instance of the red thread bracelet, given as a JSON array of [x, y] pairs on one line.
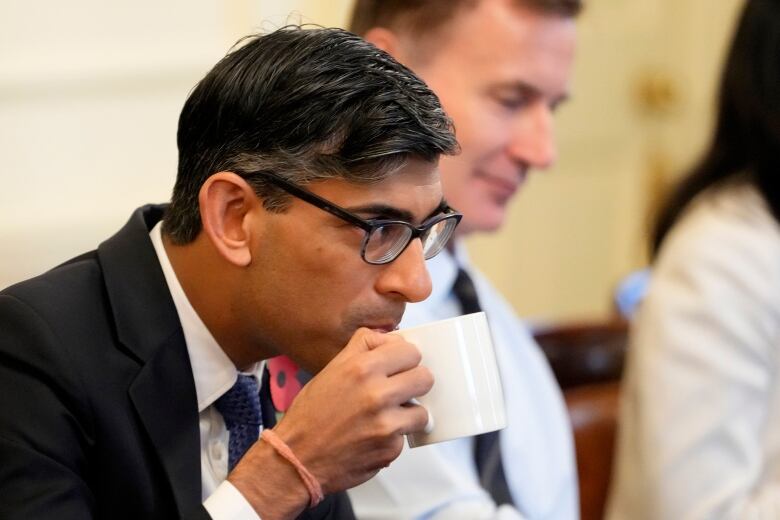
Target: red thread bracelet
[[309, 480]]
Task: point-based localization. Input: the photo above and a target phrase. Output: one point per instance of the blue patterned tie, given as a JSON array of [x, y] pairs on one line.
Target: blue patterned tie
[[240, 407]]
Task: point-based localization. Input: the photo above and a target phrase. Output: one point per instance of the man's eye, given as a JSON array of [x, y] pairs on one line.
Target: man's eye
[[512, 103]]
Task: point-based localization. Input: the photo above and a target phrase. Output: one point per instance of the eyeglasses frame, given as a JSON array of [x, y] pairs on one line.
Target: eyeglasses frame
[[366, 225]]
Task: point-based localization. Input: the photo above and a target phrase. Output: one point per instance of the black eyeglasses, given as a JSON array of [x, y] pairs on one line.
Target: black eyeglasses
[[385, 240]]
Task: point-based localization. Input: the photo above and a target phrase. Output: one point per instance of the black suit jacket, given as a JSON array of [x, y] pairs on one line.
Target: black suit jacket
[[98, 411]]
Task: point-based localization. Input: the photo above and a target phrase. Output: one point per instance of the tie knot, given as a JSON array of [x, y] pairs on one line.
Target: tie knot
[[466, 293], [241, 404]]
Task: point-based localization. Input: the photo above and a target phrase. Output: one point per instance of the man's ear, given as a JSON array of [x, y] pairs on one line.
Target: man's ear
[[386, 40], [226, 204]]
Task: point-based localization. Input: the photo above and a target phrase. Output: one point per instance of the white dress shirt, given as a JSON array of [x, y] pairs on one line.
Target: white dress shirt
[[440, 481], [700, 422], [214, 374]]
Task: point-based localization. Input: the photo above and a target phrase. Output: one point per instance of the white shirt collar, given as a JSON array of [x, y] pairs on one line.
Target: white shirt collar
[[212, 370]]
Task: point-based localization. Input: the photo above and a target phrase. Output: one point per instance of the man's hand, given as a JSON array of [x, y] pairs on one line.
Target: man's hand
[[345, 425]]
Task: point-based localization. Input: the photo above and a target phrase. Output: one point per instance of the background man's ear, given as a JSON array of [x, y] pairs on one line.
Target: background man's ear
[[386, 40], [226, 203]]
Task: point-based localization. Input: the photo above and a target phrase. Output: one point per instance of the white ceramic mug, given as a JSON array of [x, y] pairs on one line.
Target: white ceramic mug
[[466, 398]]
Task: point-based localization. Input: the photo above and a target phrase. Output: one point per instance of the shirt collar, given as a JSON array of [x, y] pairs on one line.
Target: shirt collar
[[212, 370]]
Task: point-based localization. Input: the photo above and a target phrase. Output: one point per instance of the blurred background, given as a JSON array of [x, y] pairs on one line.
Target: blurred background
[[90, 93]]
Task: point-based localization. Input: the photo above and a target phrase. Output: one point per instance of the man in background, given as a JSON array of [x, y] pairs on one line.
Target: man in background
[[500, 68], [132, 378]]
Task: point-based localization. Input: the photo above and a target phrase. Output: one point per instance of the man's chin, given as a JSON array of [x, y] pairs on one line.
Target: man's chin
[[313, 355], [483, 224], [493, 226]]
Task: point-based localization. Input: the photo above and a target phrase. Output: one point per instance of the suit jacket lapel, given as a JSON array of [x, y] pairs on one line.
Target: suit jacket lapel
[[148, 326], [164, 397]]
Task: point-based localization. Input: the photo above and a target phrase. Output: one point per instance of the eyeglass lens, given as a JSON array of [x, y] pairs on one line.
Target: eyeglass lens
[[388, 241]]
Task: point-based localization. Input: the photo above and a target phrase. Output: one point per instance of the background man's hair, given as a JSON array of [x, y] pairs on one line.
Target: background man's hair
[[418, 18], [306, 105]]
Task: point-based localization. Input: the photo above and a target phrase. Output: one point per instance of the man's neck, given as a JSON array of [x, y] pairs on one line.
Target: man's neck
[[208, 288]]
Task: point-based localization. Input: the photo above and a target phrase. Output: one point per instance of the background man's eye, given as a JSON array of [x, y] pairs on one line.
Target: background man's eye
[[512, 103]]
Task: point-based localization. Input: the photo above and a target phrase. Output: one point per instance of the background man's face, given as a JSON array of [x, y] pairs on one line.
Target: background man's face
[[308, 281], [499, 71]]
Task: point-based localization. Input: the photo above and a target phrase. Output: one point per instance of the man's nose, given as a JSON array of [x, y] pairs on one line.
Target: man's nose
[[407, 275], [533, 137]]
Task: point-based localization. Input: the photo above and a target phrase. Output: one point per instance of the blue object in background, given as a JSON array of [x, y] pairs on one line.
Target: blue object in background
[[630, 292]]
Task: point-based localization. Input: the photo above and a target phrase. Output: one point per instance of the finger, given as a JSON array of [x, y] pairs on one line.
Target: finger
[[396, 355], [410, 418], [385, 453], [408, 385], [373, 339], [431, 423], [364, 340]]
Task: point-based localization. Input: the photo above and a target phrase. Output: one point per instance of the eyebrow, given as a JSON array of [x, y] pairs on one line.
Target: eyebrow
[[393, 213]]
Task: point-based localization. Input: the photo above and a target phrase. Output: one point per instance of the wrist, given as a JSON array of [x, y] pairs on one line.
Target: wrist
[[270, 483], [304, 446], [309, 480]]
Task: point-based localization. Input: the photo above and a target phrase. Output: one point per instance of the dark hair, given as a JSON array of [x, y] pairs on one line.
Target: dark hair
[[305, 104], [746, 140], [422, 17]]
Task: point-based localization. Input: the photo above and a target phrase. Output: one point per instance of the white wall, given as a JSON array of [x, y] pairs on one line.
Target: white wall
[[90, 93]]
